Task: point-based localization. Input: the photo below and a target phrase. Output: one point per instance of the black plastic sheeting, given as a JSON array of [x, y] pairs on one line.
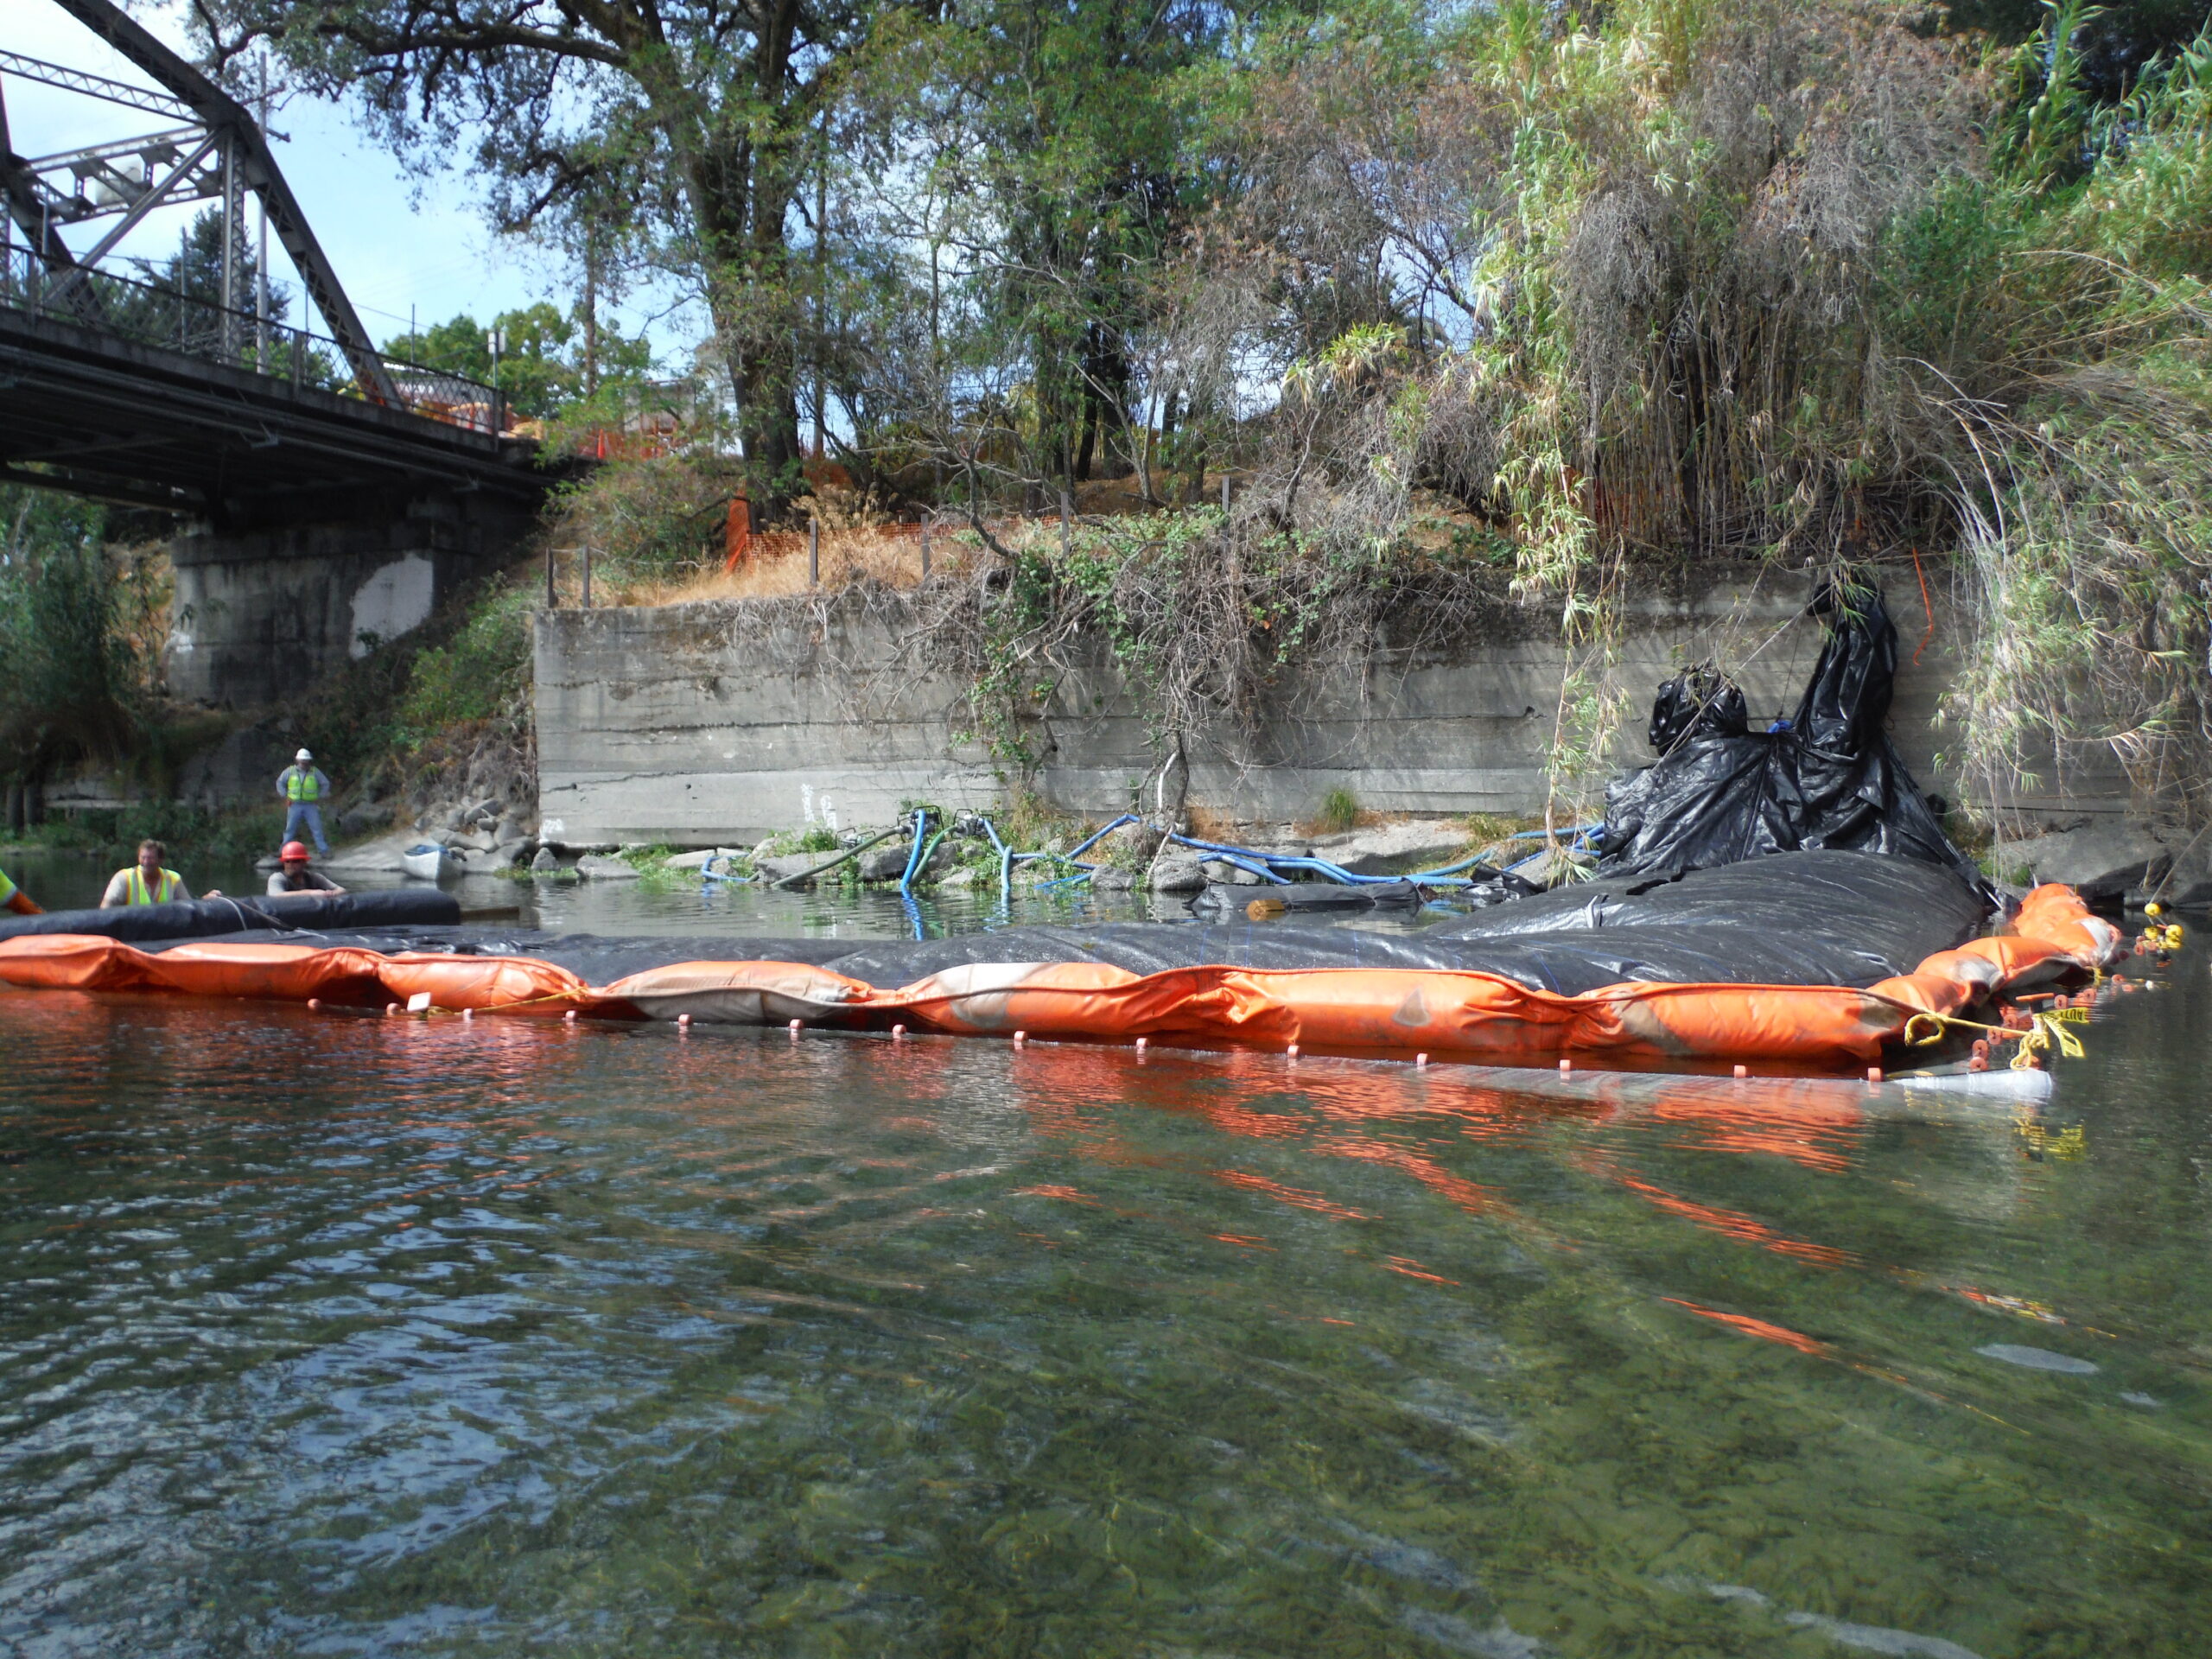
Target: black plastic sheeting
[[1721, 792], [1796, 918], [202, 918]]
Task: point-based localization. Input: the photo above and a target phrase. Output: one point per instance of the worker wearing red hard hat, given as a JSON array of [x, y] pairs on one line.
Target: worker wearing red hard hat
[[293, 876]]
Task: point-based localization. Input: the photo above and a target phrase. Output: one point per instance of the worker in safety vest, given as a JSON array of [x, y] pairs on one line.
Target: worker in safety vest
[[304, 790], [293, 876], [146, 882], [14, 898]]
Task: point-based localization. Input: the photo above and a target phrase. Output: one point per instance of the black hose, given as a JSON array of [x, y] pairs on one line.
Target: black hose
[[850, 852]]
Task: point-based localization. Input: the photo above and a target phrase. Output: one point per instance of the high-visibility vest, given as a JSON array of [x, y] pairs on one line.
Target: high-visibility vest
[[168, 890], [7, 887], [302, 785]]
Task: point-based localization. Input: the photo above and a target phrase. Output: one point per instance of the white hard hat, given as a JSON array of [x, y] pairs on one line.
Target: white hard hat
[[303, 755]]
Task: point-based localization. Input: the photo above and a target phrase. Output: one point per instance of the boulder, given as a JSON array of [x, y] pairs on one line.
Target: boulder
[[785, 865], [959, 879], [884, 863], [1132, 841], [1112, 878], [1394, 848], [700, 859], [2188, 886], [545, 864], [359, 819], [509, 852], [2102, 861], [1178, 872], [599, 867], [1556, 867], [382, 856]]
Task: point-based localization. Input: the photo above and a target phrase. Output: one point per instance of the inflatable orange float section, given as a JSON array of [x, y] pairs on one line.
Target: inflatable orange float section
[[1469, 1016]]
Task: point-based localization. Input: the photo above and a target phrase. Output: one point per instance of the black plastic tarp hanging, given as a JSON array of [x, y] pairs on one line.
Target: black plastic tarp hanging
[[1830, 778]]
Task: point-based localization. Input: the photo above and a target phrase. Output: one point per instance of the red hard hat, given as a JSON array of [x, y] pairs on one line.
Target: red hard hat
[[294, 850]]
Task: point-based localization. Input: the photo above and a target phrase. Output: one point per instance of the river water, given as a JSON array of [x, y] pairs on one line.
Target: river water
[[335, 1335]]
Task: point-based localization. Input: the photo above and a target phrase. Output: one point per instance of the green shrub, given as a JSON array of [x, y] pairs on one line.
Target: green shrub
[[481, 673]]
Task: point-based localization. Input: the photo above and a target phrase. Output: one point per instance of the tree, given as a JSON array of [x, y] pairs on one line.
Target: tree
[[70, 682], [629, 116], [178, 300], [195, 269], [1045, 149], [542, 363]]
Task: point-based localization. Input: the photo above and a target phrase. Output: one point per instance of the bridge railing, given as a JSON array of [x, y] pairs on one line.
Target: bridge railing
[[150, 314]]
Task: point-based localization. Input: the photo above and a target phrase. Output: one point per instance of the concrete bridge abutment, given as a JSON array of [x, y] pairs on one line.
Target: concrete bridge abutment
[[260, 613]]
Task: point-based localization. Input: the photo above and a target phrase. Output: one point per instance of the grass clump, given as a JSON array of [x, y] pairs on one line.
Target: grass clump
[[1337, 812]]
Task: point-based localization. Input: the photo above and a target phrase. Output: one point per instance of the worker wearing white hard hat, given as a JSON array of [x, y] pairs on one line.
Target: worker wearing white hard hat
[[304, 788]]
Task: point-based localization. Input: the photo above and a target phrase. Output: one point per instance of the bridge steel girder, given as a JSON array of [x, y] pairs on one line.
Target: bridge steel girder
[[92, 85], [225, 115], [142, 426], [20, 186]]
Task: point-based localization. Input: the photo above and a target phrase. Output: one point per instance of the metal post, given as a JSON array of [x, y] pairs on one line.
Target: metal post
[[586, 602], [552, 593], [226, 337], [1064, 509], [925, 546], [261, 257], [1224, 495], [814, 552]]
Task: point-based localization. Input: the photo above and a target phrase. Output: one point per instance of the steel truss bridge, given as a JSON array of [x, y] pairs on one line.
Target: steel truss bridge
[[205, 404]]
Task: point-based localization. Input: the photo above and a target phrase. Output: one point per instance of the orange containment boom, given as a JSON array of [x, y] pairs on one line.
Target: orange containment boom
[[1463, 1015]]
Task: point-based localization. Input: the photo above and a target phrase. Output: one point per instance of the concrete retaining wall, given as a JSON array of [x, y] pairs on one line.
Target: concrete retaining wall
[[720, 721]]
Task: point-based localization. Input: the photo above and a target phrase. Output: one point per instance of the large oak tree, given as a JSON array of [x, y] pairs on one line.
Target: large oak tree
[[689, 123]]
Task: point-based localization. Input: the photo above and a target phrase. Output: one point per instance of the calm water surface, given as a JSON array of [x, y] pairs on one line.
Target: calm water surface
[[62, 881], [333, 1335]]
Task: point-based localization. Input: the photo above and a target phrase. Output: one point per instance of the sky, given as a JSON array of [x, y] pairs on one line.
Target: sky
[[401, 246]]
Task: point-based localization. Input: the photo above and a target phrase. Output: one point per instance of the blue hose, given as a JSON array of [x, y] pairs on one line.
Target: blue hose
[[1006, 864], [1243, 858], [1267, 864], [1576, 840], [914, 854], [1126, 817]]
